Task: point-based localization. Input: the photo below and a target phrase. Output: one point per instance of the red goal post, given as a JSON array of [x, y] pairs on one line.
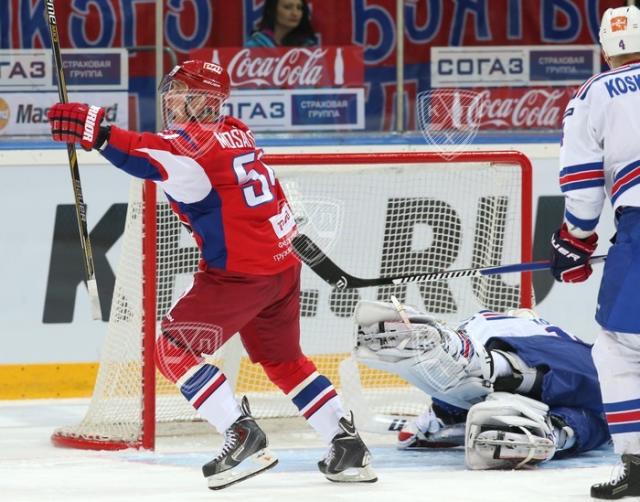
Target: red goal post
[[374, 213]]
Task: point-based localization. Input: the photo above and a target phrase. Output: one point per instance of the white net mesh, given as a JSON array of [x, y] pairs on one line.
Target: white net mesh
[[372, 220]]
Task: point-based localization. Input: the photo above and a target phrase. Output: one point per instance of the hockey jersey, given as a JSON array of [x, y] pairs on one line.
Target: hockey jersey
[[599, 154], [570, 383], [229, 198]]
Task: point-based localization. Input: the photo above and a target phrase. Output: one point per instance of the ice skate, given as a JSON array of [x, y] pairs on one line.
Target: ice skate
[[348, 459], [244, 453], [624, 483]]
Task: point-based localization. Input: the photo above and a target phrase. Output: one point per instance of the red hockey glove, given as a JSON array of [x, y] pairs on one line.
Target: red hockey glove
[[570, 256], [75, 123]]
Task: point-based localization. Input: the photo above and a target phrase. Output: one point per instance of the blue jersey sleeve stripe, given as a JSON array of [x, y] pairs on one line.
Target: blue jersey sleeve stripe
[[578, 168], [632, 404], [626, 170], [623, 428], [623, 188], [578, 185], [580, 223]]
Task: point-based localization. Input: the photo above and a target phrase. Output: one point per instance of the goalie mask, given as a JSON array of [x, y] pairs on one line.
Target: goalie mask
[[192, 95]]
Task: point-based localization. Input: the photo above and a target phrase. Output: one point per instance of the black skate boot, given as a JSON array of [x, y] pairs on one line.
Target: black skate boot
[[348, 458], [625, 483], [244, 453]]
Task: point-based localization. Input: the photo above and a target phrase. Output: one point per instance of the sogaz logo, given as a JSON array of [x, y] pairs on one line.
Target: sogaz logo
[[5, 114]]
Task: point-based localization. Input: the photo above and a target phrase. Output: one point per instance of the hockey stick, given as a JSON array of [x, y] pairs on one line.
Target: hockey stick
[[322, 265], [368, 421], [81, 210]]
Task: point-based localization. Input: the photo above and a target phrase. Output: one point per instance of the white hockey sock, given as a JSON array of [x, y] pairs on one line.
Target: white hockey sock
[[208, 391], [319, 403]]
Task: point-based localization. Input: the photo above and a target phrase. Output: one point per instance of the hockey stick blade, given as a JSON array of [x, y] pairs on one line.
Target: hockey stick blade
[[326, 269]]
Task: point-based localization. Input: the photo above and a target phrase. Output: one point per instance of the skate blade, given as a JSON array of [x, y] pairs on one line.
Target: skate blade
[[251, 466], [354, 475]]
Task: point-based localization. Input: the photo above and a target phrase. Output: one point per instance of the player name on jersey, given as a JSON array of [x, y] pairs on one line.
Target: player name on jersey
[[235, 138]]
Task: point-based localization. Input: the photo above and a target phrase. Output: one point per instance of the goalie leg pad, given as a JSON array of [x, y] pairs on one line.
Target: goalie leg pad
[[508, 431], [438, 360]]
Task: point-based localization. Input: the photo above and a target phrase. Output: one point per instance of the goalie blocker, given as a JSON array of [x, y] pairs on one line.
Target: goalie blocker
[[526, 389]]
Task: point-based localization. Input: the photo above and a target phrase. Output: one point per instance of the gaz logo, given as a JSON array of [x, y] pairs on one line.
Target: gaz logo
[[481, 66], [25, 69], [5, 114]]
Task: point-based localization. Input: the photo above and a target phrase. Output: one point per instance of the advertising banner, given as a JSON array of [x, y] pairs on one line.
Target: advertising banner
[[500, 108], [28, 86], [25, 113], [298, 109], [294, 88], [33, 69], [289, 67], [512, 66], [369, 24]]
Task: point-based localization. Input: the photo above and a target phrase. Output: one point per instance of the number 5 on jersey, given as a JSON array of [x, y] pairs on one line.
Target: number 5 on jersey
[[252, 196]]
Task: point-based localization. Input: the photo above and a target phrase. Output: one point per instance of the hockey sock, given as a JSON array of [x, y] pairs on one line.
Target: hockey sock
[[208, 391], [319, 403]]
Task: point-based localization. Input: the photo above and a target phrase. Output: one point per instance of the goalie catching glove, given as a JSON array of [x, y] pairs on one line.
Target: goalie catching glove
[[77, 123], [508, 431]]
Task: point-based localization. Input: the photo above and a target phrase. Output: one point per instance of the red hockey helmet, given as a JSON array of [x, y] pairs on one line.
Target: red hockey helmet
[[200, 75], [192, 96]]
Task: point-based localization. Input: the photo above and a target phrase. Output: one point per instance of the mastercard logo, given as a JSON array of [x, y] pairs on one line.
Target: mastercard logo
[[5, 114]]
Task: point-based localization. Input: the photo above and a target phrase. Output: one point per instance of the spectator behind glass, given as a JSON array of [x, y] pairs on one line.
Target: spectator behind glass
[[284, 23]]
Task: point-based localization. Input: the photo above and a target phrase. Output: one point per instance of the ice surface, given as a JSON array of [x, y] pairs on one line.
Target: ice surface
[[32, 469]]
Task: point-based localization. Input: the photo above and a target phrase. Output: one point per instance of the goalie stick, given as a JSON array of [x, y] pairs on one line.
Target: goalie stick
[[323, 266], [81, 208]]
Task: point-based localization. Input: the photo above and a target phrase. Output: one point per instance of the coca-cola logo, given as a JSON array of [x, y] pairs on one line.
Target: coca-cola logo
[[533, 108], [296, 67]]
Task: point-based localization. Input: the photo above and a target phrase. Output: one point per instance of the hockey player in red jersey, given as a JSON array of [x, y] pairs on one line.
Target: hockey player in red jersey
[[248, 279]]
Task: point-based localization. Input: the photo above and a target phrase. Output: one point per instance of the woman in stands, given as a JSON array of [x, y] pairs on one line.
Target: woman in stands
[[284, 23]]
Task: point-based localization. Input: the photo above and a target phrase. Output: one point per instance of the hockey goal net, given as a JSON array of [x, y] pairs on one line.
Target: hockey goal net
[[375, 215]]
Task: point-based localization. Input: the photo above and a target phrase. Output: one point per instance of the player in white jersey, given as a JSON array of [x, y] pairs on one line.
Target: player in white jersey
[[600, 158], [511, 387]]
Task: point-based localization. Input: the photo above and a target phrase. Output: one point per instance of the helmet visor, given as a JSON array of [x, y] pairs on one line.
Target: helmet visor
[[193, 113]]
